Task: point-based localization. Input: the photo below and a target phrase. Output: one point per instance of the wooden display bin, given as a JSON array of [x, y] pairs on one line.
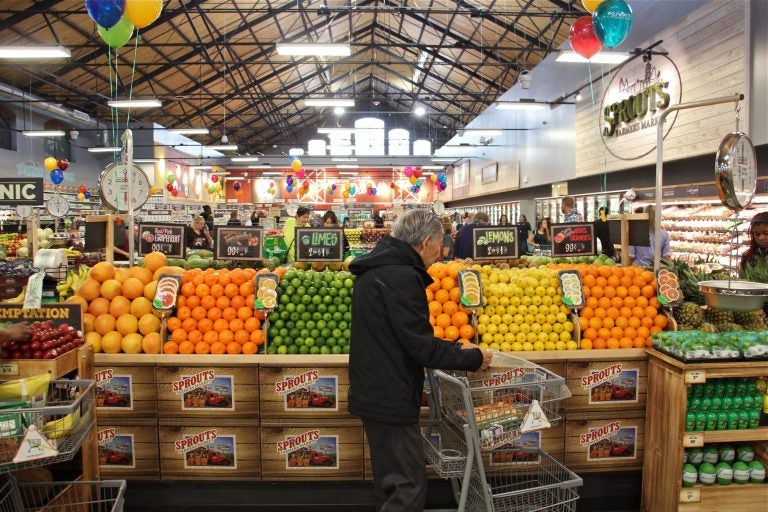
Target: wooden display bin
[[606, 385], [128, 449], [126, 391], [314, 450], [550, 440], [304, 392], [212, 391], [201, 449], [610, 443]]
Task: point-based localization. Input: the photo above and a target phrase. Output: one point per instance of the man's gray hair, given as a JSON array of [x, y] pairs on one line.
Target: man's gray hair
[[415, 226]]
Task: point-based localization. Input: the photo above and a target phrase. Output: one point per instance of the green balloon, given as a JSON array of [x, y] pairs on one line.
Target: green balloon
[[117, 35], [170, 178]]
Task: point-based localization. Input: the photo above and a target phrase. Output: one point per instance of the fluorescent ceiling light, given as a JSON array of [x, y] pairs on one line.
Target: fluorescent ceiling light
[[261, 166], [433, 167], [479, 132], [102, 149], [347, 166], [190, 131], [135, 103], [342, 159], [419, 111], [600, 58], [335, 130], [34, 52], [222, 147], [443, 159], [521, 105], [201, 168], [339, 111], [329, 102], [43, 133], [314, 49], [244, 159], [145, 160], [271, 173]]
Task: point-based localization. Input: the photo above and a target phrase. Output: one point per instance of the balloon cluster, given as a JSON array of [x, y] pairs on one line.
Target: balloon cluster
[[440, 180], [608, 26], [304, 188], [215, 188], [271, 190], [169, 185], [331, 189], [116, 19], [414, 177], [289, 184], [83, 193], [349, 191], [56, 168], [370, 189]]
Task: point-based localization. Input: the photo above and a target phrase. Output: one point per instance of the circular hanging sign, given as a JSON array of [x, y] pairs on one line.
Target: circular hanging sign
[[438, 207], [736, 171]]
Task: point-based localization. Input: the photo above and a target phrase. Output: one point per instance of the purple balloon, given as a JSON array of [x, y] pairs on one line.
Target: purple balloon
[[289, 180], [105, 12]]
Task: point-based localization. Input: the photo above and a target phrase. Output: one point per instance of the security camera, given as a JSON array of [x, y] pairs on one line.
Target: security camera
[[74, 134], [525, 79]]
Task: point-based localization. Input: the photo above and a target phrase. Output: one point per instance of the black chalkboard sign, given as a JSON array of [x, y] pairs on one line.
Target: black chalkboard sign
[[640, 233], [573, 239], [238, 243], [165, 238], [95, 236], [490, 243], [319, 244]]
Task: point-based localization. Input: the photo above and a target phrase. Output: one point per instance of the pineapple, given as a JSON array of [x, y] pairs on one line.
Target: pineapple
[[689, 313], [754, 319], [684, 327], [728, 327], [718, 316], [707, 327]]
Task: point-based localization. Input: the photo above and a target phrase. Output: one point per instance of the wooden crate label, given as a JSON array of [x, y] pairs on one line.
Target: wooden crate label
[[695, 377], [208, 449], [690, 496], [693, 440], [128, 451], [310, 450], [304, 392], [114, 449], [9, 370], [611, 440], [113, 391], [614, 383], [205, 390], [604, 443], [198, 391], [607, 385], [310, 390]]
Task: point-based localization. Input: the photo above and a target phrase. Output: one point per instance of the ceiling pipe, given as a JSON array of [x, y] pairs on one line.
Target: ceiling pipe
[[44, 107]]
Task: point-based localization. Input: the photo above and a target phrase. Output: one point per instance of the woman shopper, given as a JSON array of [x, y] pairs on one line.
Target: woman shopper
[[392, 343], [198, 236], [330, 220], [523, 229], [289, 229], [540, 238]]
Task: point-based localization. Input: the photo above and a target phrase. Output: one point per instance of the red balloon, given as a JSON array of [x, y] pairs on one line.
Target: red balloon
[[417, 172], [63, 163], [83, 189], [583, 38], [169, 187], [214, 178], [305, 184], [175, 191]]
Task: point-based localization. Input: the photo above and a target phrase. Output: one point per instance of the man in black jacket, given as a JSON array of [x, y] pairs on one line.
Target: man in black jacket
[[392, 343]]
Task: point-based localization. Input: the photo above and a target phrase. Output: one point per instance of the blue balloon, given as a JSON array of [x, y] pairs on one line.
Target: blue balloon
[[87, 195], [418, 183], [289, 189], [373, 191], [105, 12], [612, 21], [57, 176], [413, 188], [291, 159], [441, 177]]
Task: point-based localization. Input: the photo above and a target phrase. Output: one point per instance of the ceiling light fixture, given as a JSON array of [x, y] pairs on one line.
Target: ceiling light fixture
[[135, 103], [200, 168], [145, 160], [335, 130], [34, 52], [339, 111], [443, 159], [222, 147], [578, 96], [43, 133], [342, 159], [329, 102], [271, 173], [314, 49], [419, 111], [523, 104], [244, 159], [103, 149], [348, 166], [190, 131], [260, 166], [433, 167], [600, 58]]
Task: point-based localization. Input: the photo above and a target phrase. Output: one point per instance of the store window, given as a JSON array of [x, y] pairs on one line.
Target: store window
[[316, 147], [58, 147], [7, 135], [422, 147], [369, 136], [399, 142]]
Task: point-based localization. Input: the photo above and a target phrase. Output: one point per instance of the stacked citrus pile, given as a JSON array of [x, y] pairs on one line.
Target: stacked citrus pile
[[449, 320], [621, 308], [215, 314]]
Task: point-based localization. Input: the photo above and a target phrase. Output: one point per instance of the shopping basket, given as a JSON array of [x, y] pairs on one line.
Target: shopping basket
[[78, 496]]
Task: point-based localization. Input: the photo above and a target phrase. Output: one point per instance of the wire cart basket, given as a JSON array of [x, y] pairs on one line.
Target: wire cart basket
[[472, 414], [77, 496], [64, 420]]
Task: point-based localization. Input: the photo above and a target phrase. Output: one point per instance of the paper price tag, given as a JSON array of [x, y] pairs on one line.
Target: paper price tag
[[695, 377], [690, 496], [9, 370], [693, 441]]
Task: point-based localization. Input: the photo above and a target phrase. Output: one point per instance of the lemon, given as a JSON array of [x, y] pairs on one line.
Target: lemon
[[484, 319], [536, 300], [525, 328], [487, 338], [483, 345], [517, 347], [514, 328], [503, 328], [522, 309], [541, 318], [546, 300], [536, 328], [501, 310], [506, 347], [553, 336], [520, 337], [538, 346], [565, 336], [558, 328], [527, 346], [507, 318], [510, 337], [494, 346], [481, 329], [531, 337], [561, 317], [514, 301], [560, 345], [571, 345], [498, 338], [526, 301], [519, 319], [542, 337], [550, 346], [546, 327], [568, 326], [491, 328]]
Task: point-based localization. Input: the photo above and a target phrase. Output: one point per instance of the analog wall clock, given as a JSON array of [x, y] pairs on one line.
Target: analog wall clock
[[58, 206]]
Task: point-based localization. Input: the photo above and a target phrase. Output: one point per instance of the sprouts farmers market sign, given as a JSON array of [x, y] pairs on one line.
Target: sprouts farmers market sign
[[632, 103]]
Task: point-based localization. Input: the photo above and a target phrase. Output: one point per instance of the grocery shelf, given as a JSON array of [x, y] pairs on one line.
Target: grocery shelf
[[718, 370], [717, 498], [722, 436]]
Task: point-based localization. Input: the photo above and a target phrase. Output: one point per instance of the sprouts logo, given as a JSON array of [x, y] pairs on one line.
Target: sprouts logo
[[188, 383], [598, 434], [608, 374], [103, 377], [294, 443], [294, 382], [199, 440], [633, 101]]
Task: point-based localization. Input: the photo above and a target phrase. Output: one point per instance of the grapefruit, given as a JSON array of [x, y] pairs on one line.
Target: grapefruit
[[121, 274], [155, 260], [119, 306], [151, 343], [98, 307], [127, 324], [90, 289], [77, 299], [110, 288], [88, 320], [93, 338], [150, 289], [104, 323], [140, 307], [102, 271], [111, 342], [131, 343], [149, 324], [142, 274], [133, 288]]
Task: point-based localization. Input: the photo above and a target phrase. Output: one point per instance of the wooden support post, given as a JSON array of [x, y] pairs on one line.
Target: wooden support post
[[109, 237]]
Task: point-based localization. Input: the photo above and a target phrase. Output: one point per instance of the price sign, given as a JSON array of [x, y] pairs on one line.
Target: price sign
[[573, 239], [690, 496], [165, 238], [319, 244], [693, 441], [490, 243], [167, 292], [241, 243], [695, 377]]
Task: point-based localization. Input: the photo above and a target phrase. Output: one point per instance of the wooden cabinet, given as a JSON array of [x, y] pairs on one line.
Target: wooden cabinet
[[665, 439]]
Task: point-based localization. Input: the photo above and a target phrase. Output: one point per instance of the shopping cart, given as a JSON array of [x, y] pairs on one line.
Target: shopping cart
[[78, 496], [472, 414]]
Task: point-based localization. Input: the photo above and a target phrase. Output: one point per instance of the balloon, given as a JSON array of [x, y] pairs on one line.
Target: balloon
[[301, 173], [211, 189], [433, 178], [296, 165], [441, 177], [120, 33], [175, 191], [87, 195], [345, 194], [413, 179], [414, 189], [583, 38], [236, 186], [83, 189], [392, 185], [352, 191], [218, 187], [305, 184], [591, 5], [347, 186], [170, 178], [333, 186], [289, 180], [612, 21], [57, 176], [289, 189], [105, 12], [143, 13], [373, 191], [62, 163], [214, 178], [169, 187], [80, 196], [443, 185], [417, 172], [418, 183], [50, 163], [408, 171]]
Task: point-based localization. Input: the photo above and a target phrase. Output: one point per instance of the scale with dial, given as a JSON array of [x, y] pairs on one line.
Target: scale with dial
[[24, 211], [438, 207], [113, 187], [58, 206]]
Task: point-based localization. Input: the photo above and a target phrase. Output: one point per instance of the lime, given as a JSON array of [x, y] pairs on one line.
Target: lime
[[314, 350], [345, 349], [327, 317], [312, 290], [304, 333], [336, 349], [310, 342], [283, 331], [301, 324], [277, 340], [279, 323], [303, 349], [325, 350], [317, 316], [315, 333], [300, 308], [337, 316], [295, 282], [282, 349], [293, 349], [272, 350], [311, 308]]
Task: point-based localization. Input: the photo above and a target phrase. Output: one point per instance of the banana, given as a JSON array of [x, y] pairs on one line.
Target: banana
[[63, 426], [19, 299]]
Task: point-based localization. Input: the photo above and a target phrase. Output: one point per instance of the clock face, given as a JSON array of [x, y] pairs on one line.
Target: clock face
[[113, 187], [736, 171], [24, 211], [58, 206], [438, 207]]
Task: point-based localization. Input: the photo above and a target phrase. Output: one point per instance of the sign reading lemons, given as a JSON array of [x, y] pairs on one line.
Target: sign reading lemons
[[573, 240], [490, 243], [319, 244]]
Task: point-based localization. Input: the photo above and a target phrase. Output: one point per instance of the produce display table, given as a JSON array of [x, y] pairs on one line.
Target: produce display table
[[272, 417]]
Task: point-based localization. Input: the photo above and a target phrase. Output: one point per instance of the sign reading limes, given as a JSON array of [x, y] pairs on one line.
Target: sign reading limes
[[319, 244], [266, 291], [573, 293], [470, 289]]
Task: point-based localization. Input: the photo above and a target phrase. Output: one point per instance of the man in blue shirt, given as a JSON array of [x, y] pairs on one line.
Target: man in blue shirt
[[568, 207], [462, 247]]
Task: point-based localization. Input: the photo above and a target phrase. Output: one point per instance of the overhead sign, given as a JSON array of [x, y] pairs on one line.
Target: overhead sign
[[16, 191], [573, 239], [490, 243], [238, 243], [319, 244], [165, 238], [635, 97]]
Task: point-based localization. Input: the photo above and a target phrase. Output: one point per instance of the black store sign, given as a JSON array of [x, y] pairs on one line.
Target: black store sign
[[494, 243], [165, 238], [573, 240], [16, 191], [319, 244], [241, 244]]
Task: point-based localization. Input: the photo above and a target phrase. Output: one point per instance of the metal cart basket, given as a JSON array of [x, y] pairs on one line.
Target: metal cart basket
[[78, 496]]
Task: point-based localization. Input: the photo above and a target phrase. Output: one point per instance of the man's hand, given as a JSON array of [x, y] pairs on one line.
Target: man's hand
[[18, 332], [487, 355]]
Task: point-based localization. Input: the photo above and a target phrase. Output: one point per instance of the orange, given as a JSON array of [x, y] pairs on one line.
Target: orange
[[242, 336], [654, 329], [592, 302], [614, 281], [626, 343], [142, 274], [467, 331], [218, 348], [630, 332], [234, 348], [634, 322], [622, 321], [583, 323], [246, 288], [639, 342], [250, 348], [647, 322], [608, 322], [98, 306], [621, 292], [155, 260], [207, 302], [653, 301], [633, 291], [239, 276], [226, 336], [205, 325], [638, 281], [173, 323], [214, 314], [430, 295], [643, 302], [244, 313], [612, 343], [595, 323], [604, 333], [442, 296], [194, 336], [102, 271], [231, 290], [585, 345], [451, 332], [617, 332], [455, 295], [450, 307], [193, 302], [202, 348], [587, 312], [626, 281], [601, 281], [252, 324], [630, 302], [590, 334], [220, 325], [598, 344], [211, 337], [617, 302], [236, 324], [189, 324], [613, 313], [224, 277], [211, 279], [132, 288], [660, 321], [650, 311], [435, 308], [197, 280], [600, 313], [638, 312], [438, 331], [448, 283], [257, 337], [589, 281], [199, 313], [222, 302], [238, 301], [202, 290], [170, 347], [648, 276], [183, 313], [434, 286], [604, 302], [179, 335], [181, 301], [119, 306], [443, 320], [596, 291], [104, 323], [609, 292], [229, 314], [647, 291], [459, 319]]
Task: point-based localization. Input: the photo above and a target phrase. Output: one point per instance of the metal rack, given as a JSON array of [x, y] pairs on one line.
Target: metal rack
[[472, 414], [77, 496]]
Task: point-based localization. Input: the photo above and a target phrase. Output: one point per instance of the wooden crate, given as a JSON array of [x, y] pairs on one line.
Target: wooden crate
[[207, 391], [551, 440], [607, 444], [303, 392], [607, 385], [128, 448], [318, 450], [200, 449], [126, 391]]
